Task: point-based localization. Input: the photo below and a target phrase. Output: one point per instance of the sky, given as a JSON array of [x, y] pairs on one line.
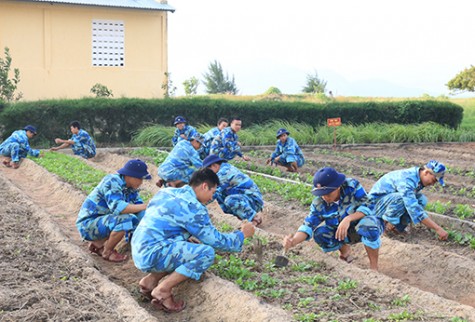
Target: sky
[[404, 48]]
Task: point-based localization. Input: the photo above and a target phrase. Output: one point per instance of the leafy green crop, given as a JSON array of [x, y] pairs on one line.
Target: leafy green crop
[[72, 170]]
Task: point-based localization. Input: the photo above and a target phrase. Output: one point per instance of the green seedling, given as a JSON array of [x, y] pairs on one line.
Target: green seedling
[[346, 285], [457, 319], [305, 302], [272, 293], [404, 316], [463, 211], [226, 228], [374, 307], [301, 267], [307, 317], [403, 301]]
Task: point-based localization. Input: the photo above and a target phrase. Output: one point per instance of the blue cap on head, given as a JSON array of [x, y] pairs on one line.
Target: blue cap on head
[[212, 159], [438, 169], [30, 128], [327, 180], [198, 137], [135, 168], [179, 119], [282, 131]]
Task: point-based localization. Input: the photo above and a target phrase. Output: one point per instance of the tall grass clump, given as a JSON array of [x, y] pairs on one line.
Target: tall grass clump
[[304, 134], [264, 134], [157, 135]]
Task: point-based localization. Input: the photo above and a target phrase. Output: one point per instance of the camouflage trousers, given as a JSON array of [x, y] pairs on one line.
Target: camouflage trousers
[[101, 227], [12, 150], [393, 210], [240, 205], [84, 152], [174, 174], [367, 230], [287, 161], [183, 257]]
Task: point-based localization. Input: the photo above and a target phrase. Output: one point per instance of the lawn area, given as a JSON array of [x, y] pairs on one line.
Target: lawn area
[[468, 104]]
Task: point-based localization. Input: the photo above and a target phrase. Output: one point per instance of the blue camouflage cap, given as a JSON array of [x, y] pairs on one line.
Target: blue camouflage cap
[[179, 119], [198, 137], [438, 169]]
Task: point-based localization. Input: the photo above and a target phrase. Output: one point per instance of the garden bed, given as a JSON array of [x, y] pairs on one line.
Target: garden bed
[[317, 287]]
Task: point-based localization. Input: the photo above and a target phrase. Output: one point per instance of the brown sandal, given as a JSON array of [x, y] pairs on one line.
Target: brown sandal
[[6, 163], [114, 257], [347, 259], [177, 306], [95, 250], [145, 292]]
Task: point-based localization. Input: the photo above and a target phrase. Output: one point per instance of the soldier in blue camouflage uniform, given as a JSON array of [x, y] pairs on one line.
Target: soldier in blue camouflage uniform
[[237, 194], [183, 131], [226, 145], [397, 199], [113, 210], [339, 217], [210, 135], [179, 165], [161, 246], [81, 142], [16, 147], [287, 152]]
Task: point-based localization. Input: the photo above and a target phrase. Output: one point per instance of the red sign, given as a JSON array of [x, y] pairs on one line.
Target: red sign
[[334, 121]]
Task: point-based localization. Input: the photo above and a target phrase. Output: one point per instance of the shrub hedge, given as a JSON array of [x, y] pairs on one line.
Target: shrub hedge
[[115, 120]]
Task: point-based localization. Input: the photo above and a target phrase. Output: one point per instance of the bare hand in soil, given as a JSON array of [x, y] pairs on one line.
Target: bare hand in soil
[[287, 242], [247, 229], [246, 158], [443, 235]]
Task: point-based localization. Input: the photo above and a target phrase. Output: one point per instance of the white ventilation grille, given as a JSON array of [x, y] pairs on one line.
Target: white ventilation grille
[[107, 43]]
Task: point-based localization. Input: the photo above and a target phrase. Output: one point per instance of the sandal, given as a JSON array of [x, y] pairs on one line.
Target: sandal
[[6, 163], [95, 250], [114, 257], [145, 292], [347, 259], [177, 306]]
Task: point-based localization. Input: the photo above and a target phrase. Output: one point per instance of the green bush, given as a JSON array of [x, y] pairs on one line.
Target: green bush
[[115, 120]]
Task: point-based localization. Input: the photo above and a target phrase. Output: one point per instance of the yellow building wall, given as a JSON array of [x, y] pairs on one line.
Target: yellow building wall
[[51, 45]]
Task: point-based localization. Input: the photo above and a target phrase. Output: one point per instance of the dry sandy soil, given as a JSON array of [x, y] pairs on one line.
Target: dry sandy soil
[[47, 273]]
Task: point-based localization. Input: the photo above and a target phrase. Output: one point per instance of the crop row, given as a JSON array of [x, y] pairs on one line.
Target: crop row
[[261, 278], [300, 191]]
